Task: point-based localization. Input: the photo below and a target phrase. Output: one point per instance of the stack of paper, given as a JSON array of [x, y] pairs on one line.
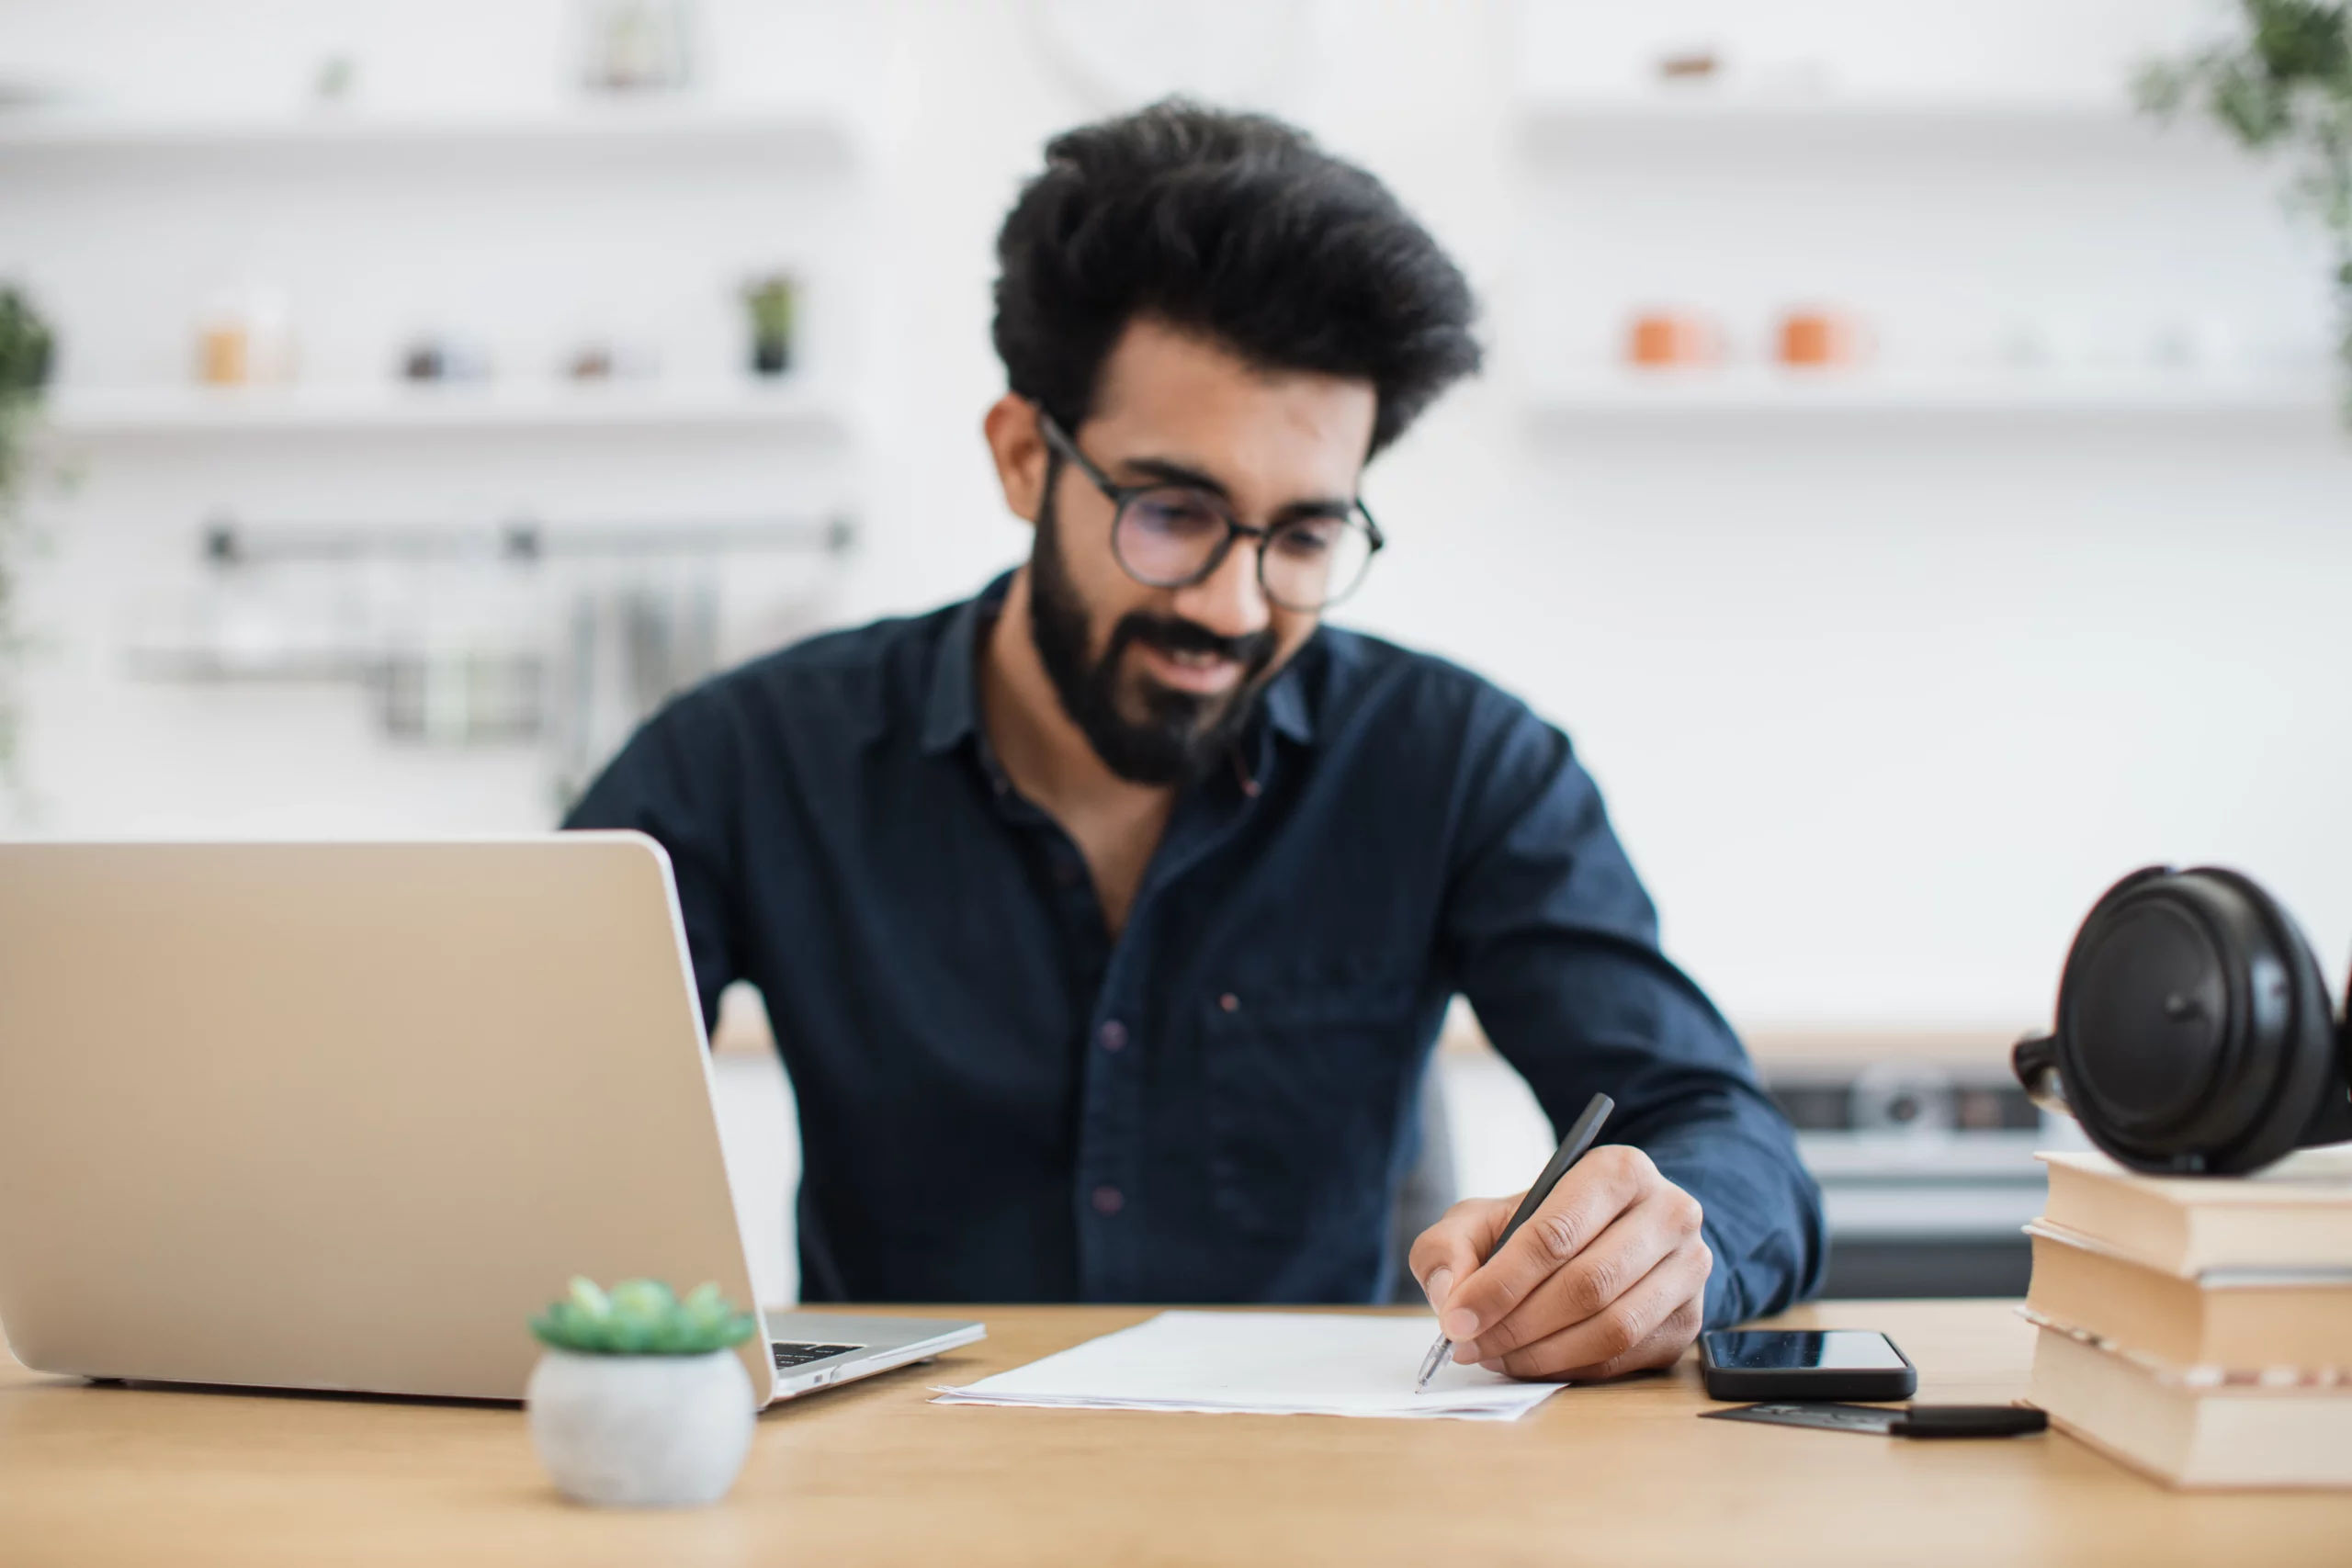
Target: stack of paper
[[1270, 1363]]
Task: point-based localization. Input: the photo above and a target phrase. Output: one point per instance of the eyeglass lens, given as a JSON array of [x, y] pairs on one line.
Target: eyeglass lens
[[1170, 535]]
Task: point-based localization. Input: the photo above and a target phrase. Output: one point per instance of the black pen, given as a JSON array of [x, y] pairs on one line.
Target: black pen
[[1572, 1148]]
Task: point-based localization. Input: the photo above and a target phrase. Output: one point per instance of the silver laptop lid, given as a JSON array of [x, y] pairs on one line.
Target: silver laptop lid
[[343, 1116]]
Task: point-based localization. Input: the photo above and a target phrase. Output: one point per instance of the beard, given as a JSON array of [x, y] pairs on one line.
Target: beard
[[1180, 735]]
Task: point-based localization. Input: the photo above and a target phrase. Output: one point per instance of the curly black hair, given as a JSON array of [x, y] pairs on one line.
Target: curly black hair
[[1235, 226]]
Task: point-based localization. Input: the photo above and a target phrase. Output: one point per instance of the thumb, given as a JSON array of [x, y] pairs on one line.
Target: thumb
[[1450, 1250]]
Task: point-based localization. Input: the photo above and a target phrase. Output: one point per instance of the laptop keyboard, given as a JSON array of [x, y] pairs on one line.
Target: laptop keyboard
[[792, 1355]]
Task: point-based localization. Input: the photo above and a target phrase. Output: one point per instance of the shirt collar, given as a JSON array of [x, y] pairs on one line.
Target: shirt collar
[[952, 709], [1284, 701]]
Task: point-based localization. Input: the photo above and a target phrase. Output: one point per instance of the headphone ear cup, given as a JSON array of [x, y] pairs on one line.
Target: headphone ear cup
[[2126, 1104], [2194, 1032]]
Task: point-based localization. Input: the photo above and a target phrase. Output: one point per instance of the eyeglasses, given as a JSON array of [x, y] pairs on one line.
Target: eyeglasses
[[1173, 536]]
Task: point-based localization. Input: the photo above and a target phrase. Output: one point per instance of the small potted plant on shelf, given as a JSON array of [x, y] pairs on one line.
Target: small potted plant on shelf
[[638, 1400], [770, 301]]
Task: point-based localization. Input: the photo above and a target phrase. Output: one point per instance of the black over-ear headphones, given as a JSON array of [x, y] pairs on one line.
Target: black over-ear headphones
[[2195, 1033]]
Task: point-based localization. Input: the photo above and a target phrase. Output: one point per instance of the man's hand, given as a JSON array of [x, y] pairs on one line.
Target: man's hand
[[1608, 1276]]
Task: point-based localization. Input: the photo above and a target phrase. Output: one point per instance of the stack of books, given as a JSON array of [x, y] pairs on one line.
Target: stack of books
[[2200, 1328]]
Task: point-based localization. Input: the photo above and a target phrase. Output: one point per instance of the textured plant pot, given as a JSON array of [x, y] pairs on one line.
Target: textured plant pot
[[642, 1431], [771, 356]]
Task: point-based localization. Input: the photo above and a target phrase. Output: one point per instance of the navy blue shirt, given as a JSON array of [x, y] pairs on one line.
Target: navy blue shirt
[[1000, 1102]]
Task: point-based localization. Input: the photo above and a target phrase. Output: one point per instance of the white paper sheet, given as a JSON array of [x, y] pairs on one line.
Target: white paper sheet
[[1269, 1363]]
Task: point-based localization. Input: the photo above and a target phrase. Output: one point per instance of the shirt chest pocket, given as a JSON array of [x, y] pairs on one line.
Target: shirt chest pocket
[[1309, 1081]]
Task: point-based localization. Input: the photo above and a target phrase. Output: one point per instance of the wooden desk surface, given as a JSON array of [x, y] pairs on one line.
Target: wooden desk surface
[[872, 1473]]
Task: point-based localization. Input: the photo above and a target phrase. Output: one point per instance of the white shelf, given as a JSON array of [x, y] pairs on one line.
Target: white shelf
[[394, 408], [588, 126], [1723, 105], [1710, 117], [1668, 393]]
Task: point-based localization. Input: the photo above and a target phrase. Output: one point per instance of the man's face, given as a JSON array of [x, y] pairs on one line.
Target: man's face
[[1160, 680]]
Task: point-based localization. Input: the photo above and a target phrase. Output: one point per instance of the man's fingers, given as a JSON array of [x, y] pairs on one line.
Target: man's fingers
[[1662, 1348], [1648, 1325], [1450, 1250], [1593, 1193], [1634, 1244]]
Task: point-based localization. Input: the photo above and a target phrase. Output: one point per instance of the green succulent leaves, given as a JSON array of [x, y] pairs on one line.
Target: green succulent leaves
[[642, 1317]]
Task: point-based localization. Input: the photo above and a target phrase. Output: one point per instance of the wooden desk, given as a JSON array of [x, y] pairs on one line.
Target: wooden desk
[[872, 1473]]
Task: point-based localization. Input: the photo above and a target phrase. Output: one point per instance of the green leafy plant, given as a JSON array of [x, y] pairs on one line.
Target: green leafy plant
[[770, 300], [2285, 86], [642, 1317], [27, 350]]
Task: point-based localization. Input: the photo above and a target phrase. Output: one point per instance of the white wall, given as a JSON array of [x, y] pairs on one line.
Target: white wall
[[1881, 701]]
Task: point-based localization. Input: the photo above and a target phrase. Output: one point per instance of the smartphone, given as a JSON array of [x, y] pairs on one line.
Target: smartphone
[[1804, 1363]]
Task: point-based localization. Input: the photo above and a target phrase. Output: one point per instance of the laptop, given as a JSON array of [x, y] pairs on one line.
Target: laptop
[[344, 1116]]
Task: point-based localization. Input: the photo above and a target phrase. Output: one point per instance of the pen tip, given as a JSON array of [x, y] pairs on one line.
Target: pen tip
[[1431, 1362]]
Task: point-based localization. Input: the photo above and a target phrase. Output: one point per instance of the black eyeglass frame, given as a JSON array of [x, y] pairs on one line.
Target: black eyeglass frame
[[1119, 495]]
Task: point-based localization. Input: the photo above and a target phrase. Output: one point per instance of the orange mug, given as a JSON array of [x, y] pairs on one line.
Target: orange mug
[[1811, 338], [1672, 337], [223, 354]]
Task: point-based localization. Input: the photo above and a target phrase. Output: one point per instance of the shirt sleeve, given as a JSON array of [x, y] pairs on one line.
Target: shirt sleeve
[[1554, 941], [673, 782]]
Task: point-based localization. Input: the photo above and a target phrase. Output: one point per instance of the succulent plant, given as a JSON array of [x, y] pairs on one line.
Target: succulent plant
[[642, 1317]]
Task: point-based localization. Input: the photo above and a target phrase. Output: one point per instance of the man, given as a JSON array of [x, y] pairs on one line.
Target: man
[[1106, 920]]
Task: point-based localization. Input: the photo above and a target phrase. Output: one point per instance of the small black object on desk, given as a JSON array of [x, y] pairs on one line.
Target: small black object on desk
[[1907, 1421]]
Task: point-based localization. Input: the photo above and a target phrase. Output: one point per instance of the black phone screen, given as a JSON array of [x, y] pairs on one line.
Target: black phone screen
[[1795, 1350]]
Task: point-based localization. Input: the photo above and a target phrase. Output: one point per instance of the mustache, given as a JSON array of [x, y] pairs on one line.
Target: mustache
[[1173, 634]]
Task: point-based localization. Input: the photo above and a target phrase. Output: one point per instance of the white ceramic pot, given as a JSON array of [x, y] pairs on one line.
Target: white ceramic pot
[[642, 1431]]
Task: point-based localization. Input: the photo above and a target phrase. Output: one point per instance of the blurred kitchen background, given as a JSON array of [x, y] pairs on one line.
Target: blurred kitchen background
[[1912, 475]]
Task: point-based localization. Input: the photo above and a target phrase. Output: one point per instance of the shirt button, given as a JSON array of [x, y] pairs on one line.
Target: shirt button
[[1113, 1036], [1109, 1201], [1229, 1002]]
